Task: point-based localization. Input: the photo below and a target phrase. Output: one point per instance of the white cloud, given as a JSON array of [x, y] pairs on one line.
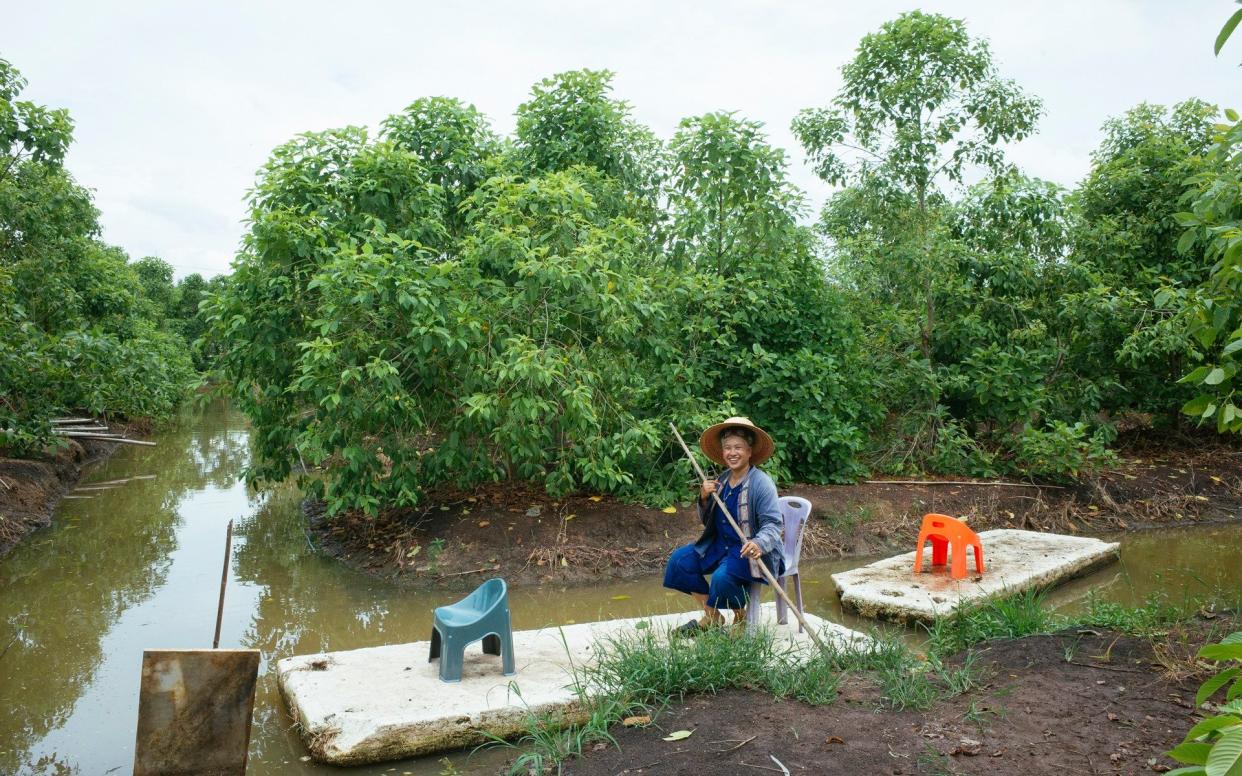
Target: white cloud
[[177, 106]]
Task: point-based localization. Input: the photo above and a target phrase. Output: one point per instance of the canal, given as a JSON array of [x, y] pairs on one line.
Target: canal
[[136, 564]]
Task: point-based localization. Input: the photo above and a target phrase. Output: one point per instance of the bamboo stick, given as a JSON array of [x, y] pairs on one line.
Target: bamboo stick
[[960, 482], [224, 578], [763, 567], [107, 438]]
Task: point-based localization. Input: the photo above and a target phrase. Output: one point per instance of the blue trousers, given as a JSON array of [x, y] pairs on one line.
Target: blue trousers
[[686, 571]]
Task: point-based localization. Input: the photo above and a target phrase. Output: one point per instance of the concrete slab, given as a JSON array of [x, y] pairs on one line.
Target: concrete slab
[[386, 703], [1014, 561]]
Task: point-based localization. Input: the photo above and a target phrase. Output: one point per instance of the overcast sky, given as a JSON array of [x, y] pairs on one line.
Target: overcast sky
[[177, 105]]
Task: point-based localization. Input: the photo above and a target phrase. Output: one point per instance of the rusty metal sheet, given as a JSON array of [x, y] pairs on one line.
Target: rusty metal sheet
[[194, 711]]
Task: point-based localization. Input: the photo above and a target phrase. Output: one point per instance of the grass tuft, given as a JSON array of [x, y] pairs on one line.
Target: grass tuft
[[1019, 615], [643, 671]]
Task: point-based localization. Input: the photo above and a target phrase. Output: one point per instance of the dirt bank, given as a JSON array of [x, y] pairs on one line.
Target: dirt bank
[[1080, 701], [30, 488], [520, 533]]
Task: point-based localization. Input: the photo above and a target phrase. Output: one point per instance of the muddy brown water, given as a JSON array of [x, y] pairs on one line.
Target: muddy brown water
[[138, 566]]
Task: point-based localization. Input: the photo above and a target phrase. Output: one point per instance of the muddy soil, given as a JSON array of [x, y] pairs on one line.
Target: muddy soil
[[522, 534], [30, 488], [1077, 702]]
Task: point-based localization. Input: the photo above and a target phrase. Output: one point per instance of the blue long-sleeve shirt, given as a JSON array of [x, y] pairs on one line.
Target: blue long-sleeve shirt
[[766, 524]]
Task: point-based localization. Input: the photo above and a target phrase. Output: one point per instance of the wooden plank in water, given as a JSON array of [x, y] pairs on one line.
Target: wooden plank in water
[[194, 710]]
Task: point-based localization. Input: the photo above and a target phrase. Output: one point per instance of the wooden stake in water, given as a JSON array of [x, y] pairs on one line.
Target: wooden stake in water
[[763, 567], [224, 579]]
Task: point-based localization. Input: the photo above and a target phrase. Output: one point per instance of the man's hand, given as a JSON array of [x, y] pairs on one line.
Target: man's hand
[[709, 487], [751, 550]]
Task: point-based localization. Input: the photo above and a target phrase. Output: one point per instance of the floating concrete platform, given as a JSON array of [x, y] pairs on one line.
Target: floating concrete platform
[[386, 703], [1013, 561]]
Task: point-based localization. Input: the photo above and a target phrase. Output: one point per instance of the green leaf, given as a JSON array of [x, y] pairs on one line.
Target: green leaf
[[1226, 756], [1196, 376], [1210, 724], [1230, 113], [1225, 32], [1185, 241], [1222, 652], [1188, 770], [1206, 335], [1191, 753], [1196, 406], [679, 735], [1215, 377], [1209, 688]]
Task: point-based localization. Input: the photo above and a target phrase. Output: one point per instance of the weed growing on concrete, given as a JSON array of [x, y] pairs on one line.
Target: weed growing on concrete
[[553, 738], [649, 666]]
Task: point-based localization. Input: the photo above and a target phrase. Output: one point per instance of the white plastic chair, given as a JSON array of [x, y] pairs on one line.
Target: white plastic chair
[[795, 511]]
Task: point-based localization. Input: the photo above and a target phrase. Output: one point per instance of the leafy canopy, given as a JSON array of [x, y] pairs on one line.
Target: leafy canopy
[[81, 329], [921, 100]]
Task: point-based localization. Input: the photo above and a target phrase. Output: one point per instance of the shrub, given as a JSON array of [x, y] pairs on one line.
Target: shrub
[[1213, 746]]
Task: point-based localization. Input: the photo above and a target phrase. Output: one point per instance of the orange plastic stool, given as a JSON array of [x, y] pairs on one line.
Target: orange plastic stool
[[948, 533]]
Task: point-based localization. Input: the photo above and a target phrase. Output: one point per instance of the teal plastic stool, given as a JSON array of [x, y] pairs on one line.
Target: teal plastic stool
[[484, 614]]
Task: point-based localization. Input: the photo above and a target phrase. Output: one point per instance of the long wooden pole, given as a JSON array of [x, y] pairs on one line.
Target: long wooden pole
[[763, 567], [224, 579]]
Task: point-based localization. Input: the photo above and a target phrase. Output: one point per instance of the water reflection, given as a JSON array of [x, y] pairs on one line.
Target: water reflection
[[137, 567], [66, 590]]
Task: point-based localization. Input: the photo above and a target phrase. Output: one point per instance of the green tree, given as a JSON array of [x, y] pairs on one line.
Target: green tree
[[156, 278], [1125, 205], [29, 132], [921, 103], [455, 145], [730, 202], [77, 331], [323, 200], [550, 341], [571, 119], [1211, 313], [1125, 234]]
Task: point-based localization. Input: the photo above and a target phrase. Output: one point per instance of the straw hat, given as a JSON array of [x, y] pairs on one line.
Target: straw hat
[[761, 451]]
